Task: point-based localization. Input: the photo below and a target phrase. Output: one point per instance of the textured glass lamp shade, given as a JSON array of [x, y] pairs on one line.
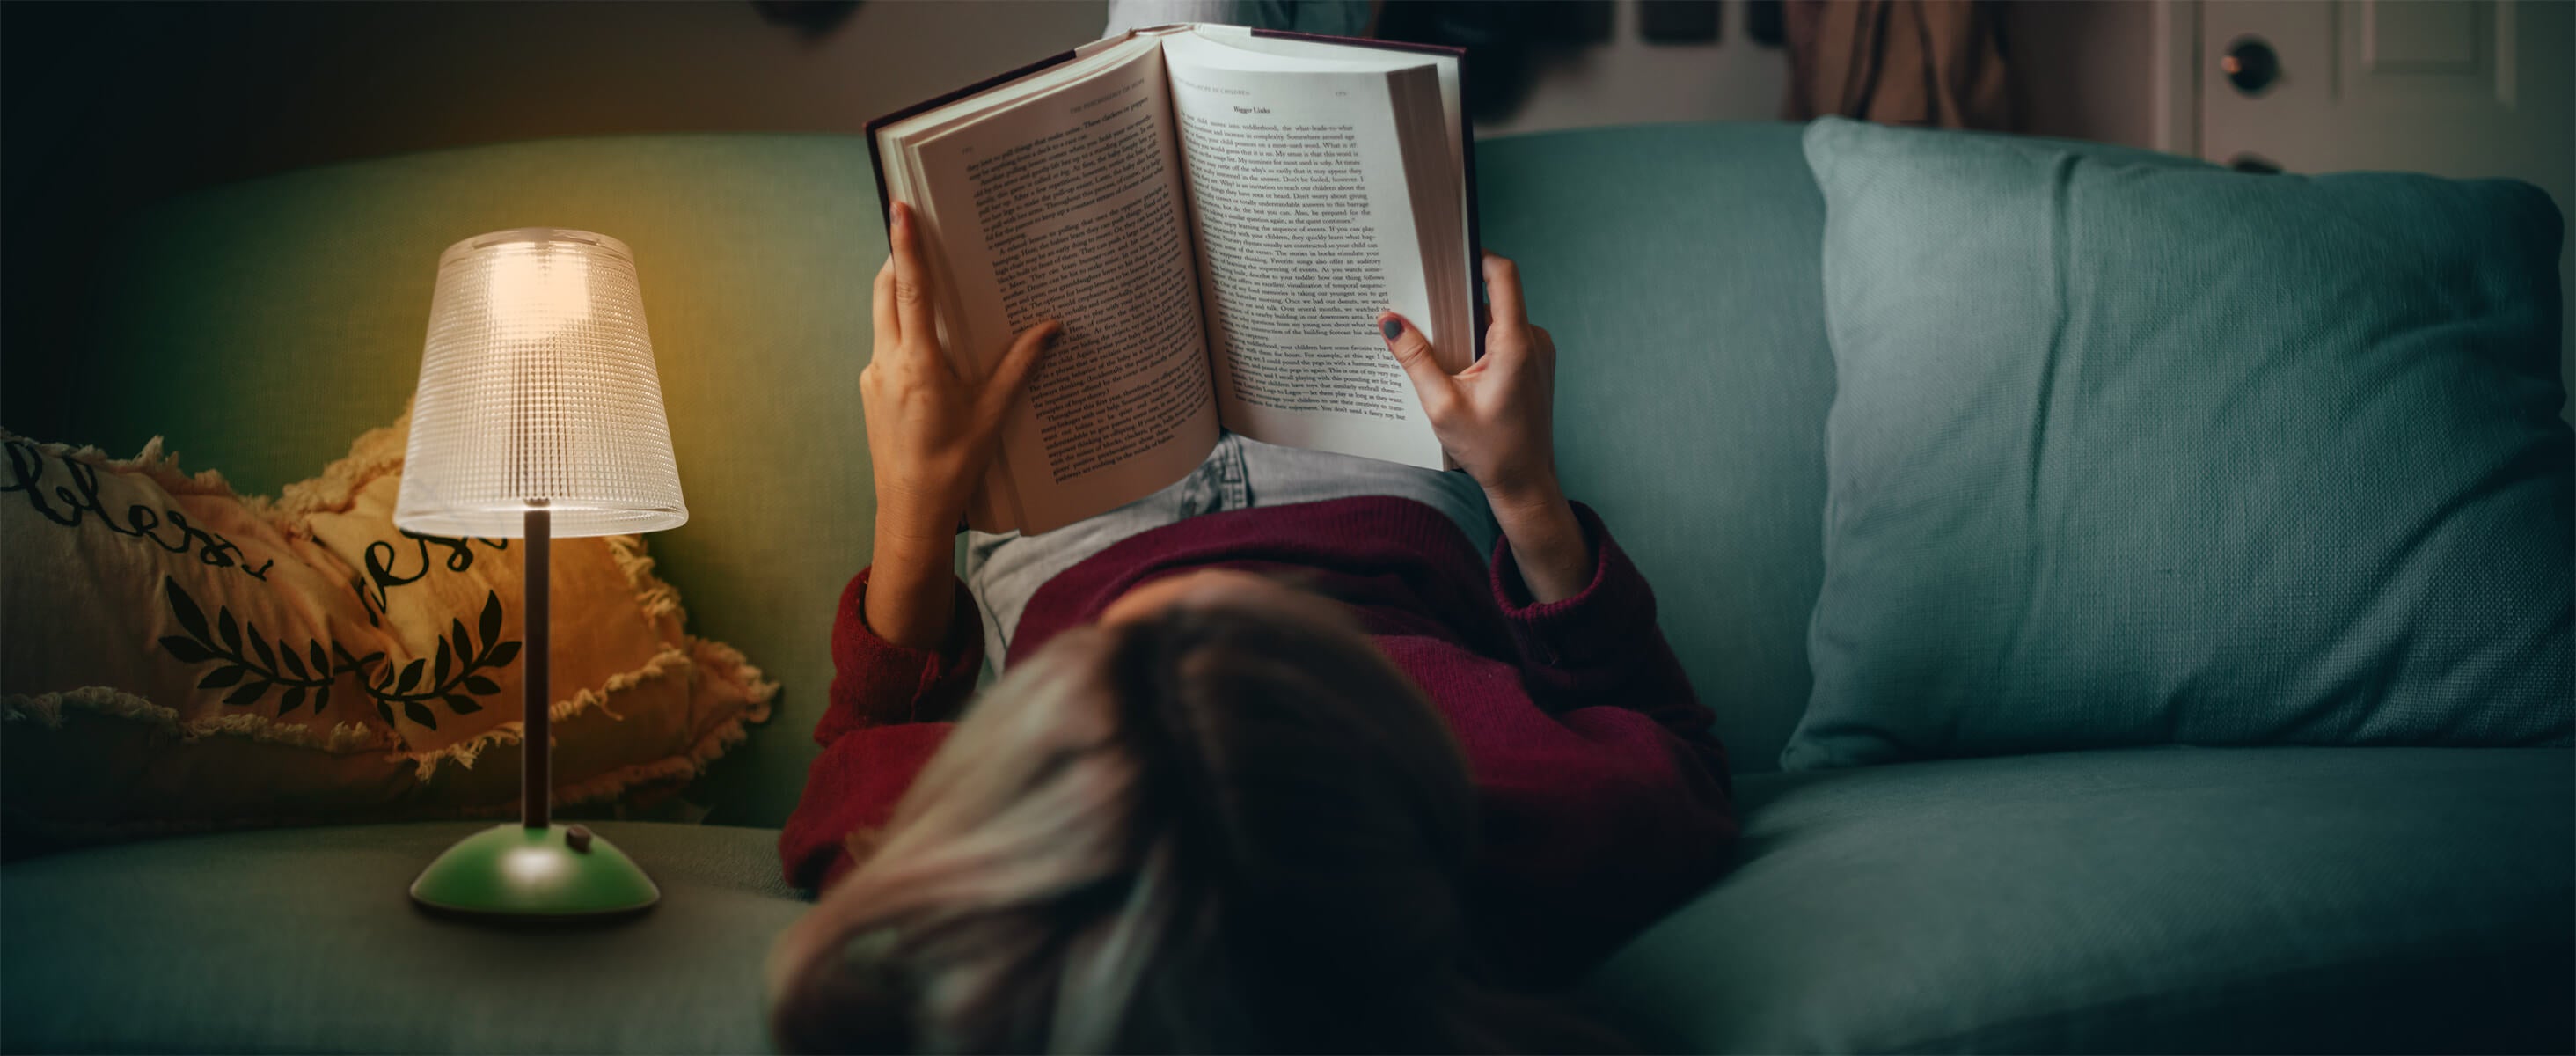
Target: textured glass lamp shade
[[537, 392]]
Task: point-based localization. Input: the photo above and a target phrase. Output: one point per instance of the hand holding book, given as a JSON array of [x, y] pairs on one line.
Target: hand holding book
[[931, 437], [1496, 419], [1214, 214]]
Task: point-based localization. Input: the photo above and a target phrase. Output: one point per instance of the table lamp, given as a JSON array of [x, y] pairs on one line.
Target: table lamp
[[538, 415]]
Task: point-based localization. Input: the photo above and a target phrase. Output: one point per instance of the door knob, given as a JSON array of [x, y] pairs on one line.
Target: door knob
[[2251, 65]]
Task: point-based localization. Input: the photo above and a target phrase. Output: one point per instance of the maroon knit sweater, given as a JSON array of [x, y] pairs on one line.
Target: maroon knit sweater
[[1603, 797]]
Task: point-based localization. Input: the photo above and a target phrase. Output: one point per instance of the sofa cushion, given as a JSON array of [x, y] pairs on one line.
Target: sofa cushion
[[2157, 899], [303, 941], [2131, 450], [2137, 900]]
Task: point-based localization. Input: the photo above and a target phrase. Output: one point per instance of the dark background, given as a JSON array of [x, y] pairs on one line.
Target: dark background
[[108, 107]]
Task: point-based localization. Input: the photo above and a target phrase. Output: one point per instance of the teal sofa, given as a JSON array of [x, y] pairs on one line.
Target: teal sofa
[[2161, 899]]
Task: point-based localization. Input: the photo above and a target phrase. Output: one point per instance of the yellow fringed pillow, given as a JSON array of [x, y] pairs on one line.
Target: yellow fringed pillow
[[180, 658]]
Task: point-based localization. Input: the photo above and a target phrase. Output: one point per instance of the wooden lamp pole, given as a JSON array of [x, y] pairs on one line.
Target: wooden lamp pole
[[536, 794]]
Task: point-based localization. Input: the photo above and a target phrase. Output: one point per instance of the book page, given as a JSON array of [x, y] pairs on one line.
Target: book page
[[1305, 53], [1301, 208], [1069, 206]]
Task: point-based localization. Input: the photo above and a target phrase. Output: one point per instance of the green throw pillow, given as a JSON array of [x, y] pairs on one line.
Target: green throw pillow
[[2134, 450]]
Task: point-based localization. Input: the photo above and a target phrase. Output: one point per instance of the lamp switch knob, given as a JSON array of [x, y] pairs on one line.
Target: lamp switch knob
[[577, 838]]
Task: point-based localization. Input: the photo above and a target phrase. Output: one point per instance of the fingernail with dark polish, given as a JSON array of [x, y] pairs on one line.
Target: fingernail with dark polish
[[1393, 328]]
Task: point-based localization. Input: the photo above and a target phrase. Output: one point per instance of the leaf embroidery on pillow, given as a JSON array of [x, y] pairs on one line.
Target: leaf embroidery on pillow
[[244, 661]]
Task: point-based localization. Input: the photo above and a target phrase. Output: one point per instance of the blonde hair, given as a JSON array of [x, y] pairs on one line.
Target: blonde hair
[[1219, 828]]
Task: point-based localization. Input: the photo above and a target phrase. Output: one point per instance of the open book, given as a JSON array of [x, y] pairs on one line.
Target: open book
[[1218, 215]]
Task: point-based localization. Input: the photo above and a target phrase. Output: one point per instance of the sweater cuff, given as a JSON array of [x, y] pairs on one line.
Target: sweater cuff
[[855, 784], [879, 683], [1614, 607]]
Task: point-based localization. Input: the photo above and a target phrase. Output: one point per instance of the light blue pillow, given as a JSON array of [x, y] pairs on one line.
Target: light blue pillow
[[2130, 450]]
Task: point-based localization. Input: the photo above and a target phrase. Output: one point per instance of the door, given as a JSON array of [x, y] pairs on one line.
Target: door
[[2460, 88]]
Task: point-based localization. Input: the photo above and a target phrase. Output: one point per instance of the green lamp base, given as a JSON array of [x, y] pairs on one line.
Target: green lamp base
[[515, 873]]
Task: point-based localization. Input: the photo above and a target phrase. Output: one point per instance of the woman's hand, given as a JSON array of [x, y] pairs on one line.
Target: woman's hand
[[1497, 419], [931, 434]]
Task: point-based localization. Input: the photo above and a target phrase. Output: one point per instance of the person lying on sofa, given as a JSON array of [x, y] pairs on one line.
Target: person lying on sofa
[[1279, 760]]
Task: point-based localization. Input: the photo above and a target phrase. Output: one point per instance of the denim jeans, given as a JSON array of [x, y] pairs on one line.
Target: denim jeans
[[1003, 571]]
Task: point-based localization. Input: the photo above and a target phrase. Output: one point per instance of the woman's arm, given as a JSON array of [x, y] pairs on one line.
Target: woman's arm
[[931, 434], [1497, 419], [1599, 649], [1614, 804], [1582, 617], [902, 659], [886, 713]]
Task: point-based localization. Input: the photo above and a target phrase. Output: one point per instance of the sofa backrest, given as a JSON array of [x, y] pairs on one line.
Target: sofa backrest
[[261, 326], [1679, 269]]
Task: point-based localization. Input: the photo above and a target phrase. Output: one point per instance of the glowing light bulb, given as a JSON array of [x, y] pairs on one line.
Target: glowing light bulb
[[530, 865], [536, 292]]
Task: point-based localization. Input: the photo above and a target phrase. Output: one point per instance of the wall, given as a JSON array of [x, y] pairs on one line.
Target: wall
[[107, 107], [110, 106], [2085, 70], [1629, 81], [221, 91]]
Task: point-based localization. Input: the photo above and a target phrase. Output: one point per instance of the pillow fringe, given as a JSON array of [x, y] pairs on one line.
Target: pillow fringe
[[155, 462]]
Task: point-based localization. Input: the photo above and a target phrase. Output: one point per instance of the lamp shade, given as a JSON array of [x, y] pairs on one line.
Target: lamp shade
[[537, 392]]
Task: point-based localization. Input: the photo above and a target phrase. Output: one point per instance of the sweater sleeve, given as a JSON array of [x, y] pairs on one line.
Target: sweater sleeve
[[1619, 807], [887, 713], [1603, 648]]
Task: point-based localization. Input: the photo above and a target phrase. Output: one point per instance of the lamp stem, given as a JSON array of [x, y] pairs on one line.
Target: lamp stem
[[536, 789]]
